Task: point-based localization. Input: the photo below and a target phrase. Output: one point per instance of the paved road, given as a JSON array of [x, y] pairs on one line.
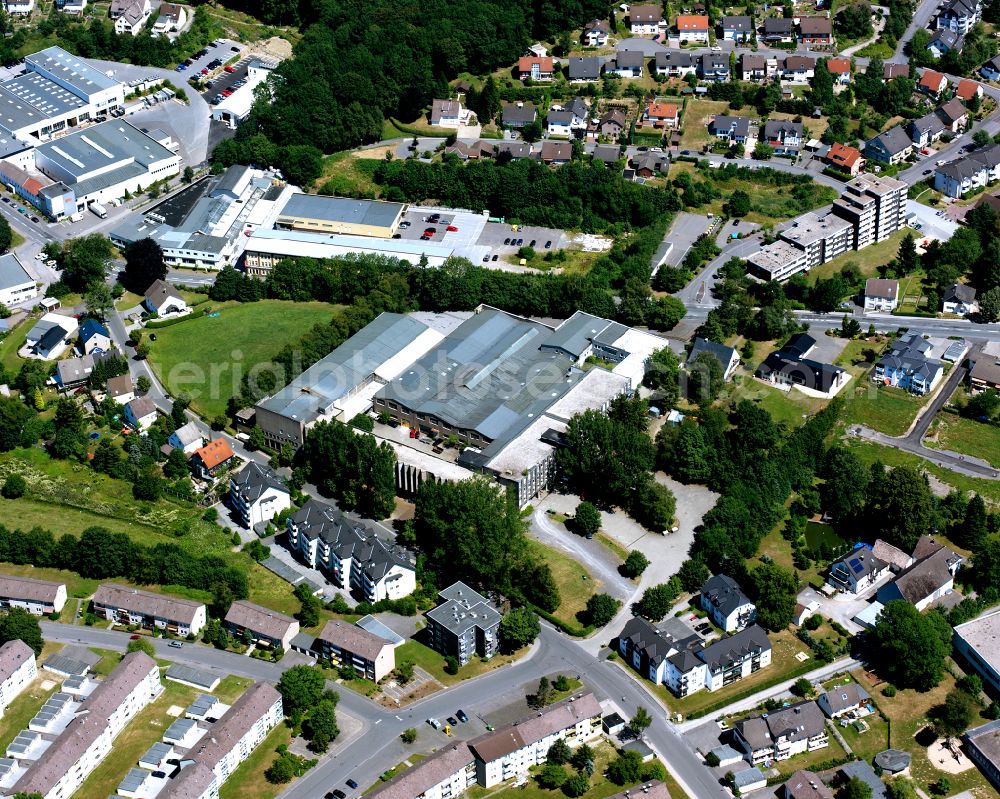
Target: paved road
[[916, 435], [187, 277], [921, 18]]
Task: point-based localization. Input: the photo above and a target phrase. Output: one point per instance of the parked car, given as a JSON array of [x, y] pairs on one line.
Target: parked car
[[134, 637], [548, 244], [352, 784], [424, 237], [452, 721], [434, 723], [404, 224], [486, 258], [506, 241], [461, 716], [230, 69], [495, 257], [175, 644], [34, 219], [234, 49], [336, 794]]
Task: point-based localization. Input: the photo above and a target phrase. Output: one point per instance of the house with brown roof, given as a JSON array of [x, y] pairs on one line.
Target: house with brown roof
[[163, 300], [845, 158], [893, 555], [881, 295], [842, 699], [130, 606], [890, 71], [805, 785], [612, 124], [120, 389], [815, 31], [535, 67], [840, 68], [512, 750], [985, 372], [693, 28], [596, 33], [348, 645], [140, 414], [556, 153], [446, 113], [967, 89], [450, 771], [931, 577], [646, 20], [757, 67], [783, 733], [17, 670], [264, 626], [212, 458], [39, 597]]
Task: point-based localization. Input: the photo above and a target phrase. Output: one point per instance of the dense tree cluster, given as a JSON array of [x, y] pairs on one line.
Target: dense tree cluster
[[761, 312], [100, 554], [909, 648], [854, 22]]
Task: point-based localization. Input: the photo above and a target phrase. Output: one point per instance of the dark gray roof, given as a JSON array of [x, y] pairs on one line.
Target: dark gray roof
[[723, 653], [972, 164], [959, 292], [741, 24], [523, 113], [776, 25], [341, 209], [930, 123], [778, 129], [794, 723], [739, 125], [655, 644], [723, 593], [722, 353], [893, 140], [946, 38], [673, 58], [858, 563], [254, 480], [909, 354], [863, 771], [585, 68], [844, 697], [608, 153], [627, 59], [713, 62], [893, 760]]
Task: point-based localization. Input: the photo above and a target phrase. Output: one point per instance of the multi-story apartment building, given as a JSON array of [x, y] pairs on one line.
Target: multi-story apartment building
[[875, 206], [229, 742], [974, 171], [347, 644], [257, 495], [325, 540], [959, 16], [124, 605], [783, 733], [39, 597], [267, 627], [724, 600], [463, 625], [17, 670], [87, 740], [446, 774], [821, 238]]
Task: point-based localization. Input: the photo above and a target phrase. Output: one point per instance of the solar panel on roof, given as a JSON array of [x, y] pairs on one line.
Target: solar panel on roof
[[856, 565]]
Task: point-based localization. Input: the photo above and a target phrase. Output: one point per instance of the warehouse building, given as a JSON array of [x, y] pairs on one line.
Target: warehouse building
[[978, 642], [320, 214], [235, 108]]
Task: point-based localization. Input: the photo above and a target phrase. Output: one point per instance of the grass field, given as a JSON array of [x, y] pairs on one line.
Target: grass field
[[248, 779], [967, 436], [22, 710], [868, 260], [575, 583], [12, 343], [790, 407], [696, 119], [884, 408], [207, 357], [433, 662], [349, 173]]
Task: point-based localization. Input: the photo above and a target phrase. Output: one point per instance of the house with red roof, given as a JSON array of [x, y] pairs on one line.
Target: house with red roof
[[840, 68], [535, 67], [212, 458], [660, 115], [967, 89], [692, 28], [846, 159], [932, 83]]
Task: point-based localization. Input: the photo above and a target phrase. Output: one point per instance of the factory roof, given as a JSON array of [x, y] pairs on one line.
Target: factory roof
[[341, 209], [113, 143], [75, 71]]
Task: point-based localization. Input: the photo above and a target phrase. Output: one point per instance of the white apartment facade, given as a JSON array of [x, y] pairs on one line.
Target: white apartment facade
[[17, 670], [38, 597], [128, 606]]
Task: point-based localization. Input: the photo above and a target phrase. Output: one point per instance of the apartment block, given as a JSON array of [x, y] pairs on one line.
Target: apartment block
[[782, 734], [87, 740], [265, 626], [463, 625], [875, 206], [126, 606], [346, 644], [448, 773], [821, 238], [17, 670], [40, 597]]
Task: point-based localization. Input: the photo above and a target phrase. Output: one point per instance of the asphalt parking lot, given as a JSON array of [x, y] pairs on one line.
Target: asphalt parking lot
[[223, 51]]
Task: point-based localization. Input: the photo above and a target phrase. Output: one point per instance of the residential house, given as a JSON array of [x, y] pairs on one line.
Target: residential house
[[891, 147], [16, 285], [446, 113], [517, 115], [612, 124], [324, 539], [907, 366], [930, 577], [568, 120], [846, 159], [783, 733], [163, 299], [464, 625], [556, 153], [805, 785], [797, 69], [737, 29], [932, 83], [778, 30], [735, 130], [784, 136], [944, 41], [959, 16], [449, 772], [714, 67], [991, 69], [18, 6], [954, 115], [863, 771], [881, 295], [120, 389], [650, 165], [789, 366], [625, 64], [857, 572], [512, 750], [608, 154], [17, 670], [371, 656], [973, 171], [73, 372], [596, 33], [264, 626], [257, 495], [51, 336], [724, 601], [927, 129], [757, 67], [960, 299], [647, 648], [843, 699], [646, 20], [140, 414], [985, 372], [77, 750], [976, 643], [983, 746], [129, 606], [815, 31], [840, 68], [727, 357], [674, 63], [212, 458], [893, 555], [692, 28], [660, 115], [891, 71], [584, 70], [94, 337], [130, 16], [536, 68], [968, 89], [39, 597], [171, 19], [186, 438]]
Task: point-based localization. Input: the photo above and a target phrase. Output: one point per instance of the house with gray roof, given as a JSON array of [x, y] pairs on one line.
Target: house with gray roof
[[891, 147], [983, 745], [347, 644], [785, 136], [782, 733], [737, 29], [517, 115], [857, 572], [908, 366], [713, 67], [973, 171], [959, 299], [805, 785], [626, 64], [749, 779], [842, 699], [16, 285], [130, 606], [928, 579], [73, 372], [735, 130], [862, 770], [585, 69], [723, 599], [264, 626], [727, 357], [778, 29], [257, 495], [464, 625], [674, 63]]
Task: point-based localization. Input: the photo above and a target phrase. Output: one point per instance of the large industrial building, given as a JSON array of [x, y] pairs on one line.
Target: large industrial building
[[320, 214], [205, 225]]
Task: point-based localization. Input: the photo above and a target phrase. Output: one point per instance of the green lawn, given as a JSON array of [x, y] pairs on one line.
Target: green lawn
[[207, 357], [12, 343], [248, 779], [809, 760], [696, 118], [350, 173], [22, 710], [575, 583], [966, 436], [884, 408], [791, 407], [868, 260], [433, 662]]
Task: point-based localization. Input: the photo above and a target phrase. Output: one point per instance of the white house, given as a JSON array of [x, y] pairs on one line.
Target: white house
[[257, 495], [881, 295], [140, 414], [186, 438], [973, 171], [126, 606], [723, 599], [265, 626], [40, 597], [858, 571], [446, 113], [172, 18], [164, 300], [120, 389], [50, 337], [94, 337], [960, 299], [568, 119], [646, 20], [17, 670], [19, 6], [130, 16], [842, 699], [596, 32], [693, 28], [727, 357], [16, 285], [782, 733]]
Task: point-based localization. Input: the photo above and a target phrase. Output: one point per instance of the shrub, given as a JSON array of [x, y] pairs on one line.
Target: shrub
[[889, 691], [14, 487]]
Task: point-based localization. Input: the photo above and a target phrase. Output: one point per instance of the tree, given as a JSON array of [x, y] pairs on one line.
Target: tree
[[802, 687], [255, 439], [905, 647], [974, 527], [404, 671], [282, 770], [955, 715], [144, 265], [176, 465], [14, 487], [662, 373], [14, 416], [143, 383], [653, 505], [635, 564], [900, 507], [542, 695], [989, 305], [583, 759], [409, 735], [18, 624], [846, 483], [588, 519], [308, 614], [640, 720], [738, 205], [763, 151], [300, 688], [982, 138], [559, 753], [188, 175], [907, 256], [577, 785], [518, 628], [552, 776], [6, 235], [320, 728], [141, 645], [626, 769], [855, 788], [705, 379], [693, 574], [854, 22], [99, 300], [657, 600], [776, 596], [601, 608]]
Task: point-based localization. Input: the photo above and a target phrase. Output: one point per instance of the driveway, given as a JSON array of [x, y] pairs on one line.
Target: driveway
[[724, 237], [828, 348], [840, 607], [681, 236]]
